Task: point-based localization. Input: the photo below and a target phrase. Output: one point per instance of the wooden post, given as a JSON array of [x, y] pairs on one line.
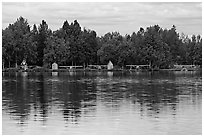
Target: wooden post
[[3, 65], [16, 61], [84, 65]]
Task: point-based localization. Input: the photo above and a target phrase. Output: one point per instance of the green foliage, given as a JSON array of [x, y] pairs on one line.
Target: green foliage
[[17, 42], [43, 34], [56, 50], [89, 49], [156, 52], [70, 45], [109, 49]]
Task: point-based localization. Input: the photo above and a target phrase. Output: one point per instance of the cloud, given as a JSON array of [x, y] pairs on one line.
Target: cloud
[[104, 17]]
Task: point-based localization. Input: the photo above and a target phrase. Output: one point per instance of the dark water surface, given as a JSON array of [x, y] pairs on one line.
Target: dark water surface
[[102, 103]]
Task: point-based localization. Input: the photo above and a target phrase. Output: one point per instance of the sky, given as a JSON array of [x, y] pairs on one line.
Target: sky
[[103, 17]]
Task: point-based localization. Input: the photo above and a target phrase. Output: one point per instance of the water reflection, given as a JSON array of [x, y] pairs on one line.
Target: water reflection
[[82, 98], [54, 73], [110, 73], [17, 98], [150, 94]]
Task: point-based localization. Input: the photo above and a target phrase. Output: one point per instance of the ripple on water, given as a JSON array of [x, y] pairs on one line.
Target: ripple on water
[[101, 104]]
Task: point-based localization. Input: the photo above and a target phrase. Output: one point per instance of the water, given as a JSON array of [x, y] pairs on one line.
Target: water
[[102, 103]]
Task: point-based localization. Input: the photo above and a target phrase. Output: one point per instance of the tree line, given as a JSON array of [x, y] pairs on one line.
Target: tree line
[[72, 45]]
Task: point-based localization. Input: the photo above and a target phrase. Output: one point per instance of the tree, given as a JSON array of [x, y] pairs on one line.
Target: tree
[[124, 51], [137, 43], [7, 47], [16, 41], [155, 51], [32, 51], [194, 50], [89, 51], [171, 38], [43, 35], [69, 45], [56, 51], [110, 44]]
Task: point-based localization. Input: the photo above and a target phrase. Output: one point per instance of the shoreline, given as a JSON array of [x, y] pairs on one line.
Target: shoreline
[[89, 70]]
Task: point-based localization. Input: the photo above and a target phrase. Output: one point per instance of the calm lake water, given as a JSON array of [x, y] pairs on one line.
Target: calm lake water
[[102, 103]]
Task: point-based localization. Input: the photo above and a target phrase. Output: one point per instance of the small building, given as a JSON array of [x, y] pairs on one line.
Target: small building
[[24, 65], [110, 65], [54, 66]]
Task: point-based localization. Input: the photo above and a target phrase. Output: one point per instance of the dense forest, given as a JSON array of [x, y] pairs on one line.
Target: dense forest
[[72, 45]]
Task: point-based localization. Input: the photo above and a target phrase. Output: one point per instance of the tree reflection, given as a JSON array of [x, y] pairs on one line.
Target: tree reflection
[[71, 94], [72, 103], [42, 99], [16, 97], [77, 96], [156, 96], [153, 92]]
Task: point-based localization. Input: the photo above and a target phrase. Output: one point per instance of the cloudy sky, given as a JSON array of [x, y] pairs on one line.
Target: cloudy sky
[[107, 17]]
